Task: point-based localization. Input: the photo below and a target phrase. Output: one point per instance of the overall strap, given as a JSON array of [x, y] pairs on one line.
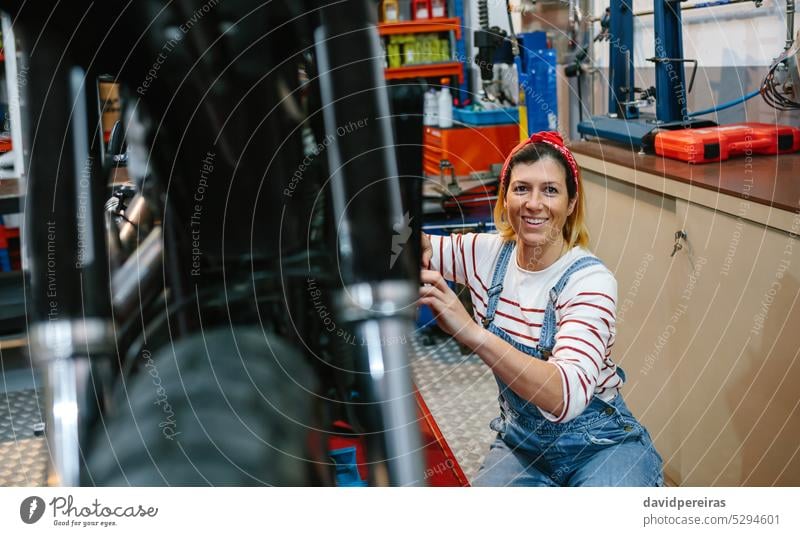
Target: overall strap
[[497, 281], [547, 336]]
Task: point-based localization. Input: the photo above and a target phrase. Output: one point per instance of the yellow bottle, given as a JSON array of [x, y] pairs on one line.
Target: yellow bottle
[[391, 11]]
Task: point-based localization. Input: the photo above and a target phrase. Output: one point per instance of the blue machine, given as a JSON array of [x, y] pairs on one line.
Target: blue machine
[[537, 77], [623, 124]]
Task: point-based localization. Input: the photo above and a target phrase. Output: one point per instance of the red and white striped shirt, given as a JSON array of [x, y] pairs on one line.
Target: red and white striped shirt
[[585, 312]]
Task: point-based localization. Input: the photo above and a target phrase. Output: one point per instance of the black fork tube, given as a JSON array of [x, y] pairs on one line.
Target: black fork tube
[[375, 262], [69, 305]]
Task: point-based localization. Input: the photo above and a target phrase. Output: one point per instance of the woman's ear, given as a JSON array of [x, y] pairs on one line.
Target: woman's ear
[[571, 207]]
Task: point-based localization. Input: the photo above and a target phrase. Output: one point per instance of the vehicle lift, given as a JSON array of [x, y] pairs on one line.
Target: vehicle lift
[[623, 124]]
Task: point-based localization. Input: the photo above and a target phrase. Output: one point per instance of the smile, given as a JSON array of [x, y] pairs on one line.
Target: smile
[[534, 221]]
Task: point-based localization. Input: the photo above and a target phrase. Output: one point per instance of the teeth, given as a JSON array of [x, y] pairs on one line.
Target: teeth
[[535, 221]]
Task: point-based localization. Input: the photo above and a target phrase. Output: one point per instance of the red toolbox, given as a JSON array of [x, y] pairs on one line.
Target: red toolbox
[[469, 149], [713, 144]]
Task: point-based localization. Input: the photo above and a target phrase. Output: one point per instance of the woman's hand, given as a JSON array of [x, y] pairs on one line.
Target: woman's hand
[[427, 251], [447, 308]]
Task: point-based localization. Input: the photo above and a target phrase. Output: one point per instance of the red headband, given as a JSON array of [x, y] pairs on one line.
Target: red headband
[[551, 138]]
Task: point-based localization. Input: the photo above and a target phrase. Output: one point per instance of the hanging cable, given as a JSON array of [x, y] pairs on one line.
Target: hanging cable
[[778, 88], [726, 105], [774, 88]]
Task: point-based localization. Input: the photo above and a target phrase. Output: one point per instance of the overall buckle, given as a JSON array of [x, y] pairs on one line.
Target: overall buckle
[[497, 289]]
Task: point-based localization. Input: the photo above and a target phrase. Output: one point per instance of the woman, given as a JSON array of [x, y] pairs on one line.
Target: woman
[[544, 323]]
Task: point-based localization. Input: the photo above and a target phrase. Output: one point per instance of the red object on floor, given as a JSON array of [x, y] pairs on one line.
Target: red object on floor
[[441, 466], [714, 144]]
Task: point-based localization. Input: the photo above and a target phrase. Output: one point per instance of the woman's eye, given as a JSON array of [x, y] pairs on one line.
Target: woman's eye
[[520, 189], [551, 190]]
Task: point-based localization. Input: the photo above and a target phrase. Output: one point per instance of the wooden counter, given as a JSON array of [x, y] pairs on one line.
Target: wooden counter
[[768, 187], [707, 333]]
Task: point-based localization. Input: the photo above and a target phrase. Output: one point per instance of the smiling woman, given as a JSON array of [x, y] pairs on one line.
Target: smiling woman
[[545, 325], [539, 198]]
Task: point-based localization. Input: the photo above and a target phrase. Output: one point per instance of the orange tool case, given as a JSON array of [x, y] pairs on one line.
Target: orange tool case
[[713, 144], [469, 149]]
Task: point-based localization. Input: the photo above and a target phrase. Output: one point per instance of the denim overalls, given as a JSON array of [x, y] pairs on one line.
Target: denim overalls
[[604, 446]]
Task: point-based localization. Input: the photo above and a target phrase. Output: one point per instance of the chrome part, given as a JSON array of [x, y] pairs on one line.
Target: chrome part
[[138, 273], [384, 354], [82, 168], [66, 379], [337, 178], [62, 339], [112, 238], [60, 349], [138, 222], [364, 301]]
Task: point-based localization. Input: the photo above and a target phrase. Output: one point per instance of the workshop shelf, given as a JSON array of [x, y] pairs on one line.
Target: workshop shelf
[[446, 24], [425, 70]]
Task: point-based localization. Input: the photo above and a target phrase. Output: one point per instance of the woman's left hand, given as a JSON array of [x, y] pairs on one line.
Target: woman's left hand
[[447, 308]]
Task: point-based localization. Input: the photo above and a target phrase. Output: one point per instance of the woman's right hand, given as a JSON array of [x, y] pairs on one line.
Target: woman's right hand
[[427, 251]]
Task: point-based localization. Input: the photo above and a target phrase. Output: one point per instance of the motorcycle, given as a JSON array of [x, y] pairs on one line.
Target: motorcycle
[[253, 279]]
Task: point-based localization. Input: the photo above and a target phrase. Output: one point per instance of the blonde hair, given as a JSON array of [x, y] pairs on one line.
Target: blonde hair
[[575, 232]]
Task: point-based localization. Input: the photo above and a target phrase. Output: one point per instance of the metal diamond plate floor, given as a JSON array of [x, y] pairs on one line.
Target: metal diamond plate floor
[[461, 393], [23, 457]]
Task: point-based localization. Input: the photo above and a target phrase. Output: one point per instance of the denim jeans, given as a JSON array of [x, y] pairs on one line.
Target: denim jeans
[[604, 446]]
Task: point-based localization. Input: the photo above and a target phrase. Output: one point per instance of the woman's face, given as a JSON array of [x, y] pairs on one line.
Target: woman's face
[[537, 204]]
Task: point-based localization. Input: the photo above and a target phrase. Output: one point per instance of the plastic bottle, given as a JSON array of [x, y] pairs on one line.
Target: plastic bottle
[[430, 109], [438, 8], [405, 10], [421, 9], [445, 106], [391, 11]]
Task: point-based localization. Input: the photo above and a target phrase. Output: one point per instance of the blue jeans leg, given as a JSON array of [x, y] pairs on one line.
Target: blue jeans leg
[[506, 467], [631, 463]]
